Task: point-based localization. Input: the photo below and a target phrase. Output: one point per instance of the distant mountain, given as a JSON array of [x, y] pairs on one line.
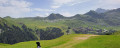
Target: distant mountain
[[106, 18], [100, 10], [112, 17], [55, 16], [114, 10], [94, 14]]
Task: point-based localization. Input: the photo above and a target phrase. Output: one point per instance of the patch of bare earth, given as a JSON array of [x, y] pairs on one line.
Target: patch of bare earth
[[84, 37], [74, 41]]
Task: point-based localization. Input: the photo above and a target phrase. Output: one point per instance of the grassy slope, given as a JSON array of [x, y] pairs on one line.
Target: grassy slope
[[63, 24], [39, 23], [46, 43], [70, 41], [111, 41], [64, 41]]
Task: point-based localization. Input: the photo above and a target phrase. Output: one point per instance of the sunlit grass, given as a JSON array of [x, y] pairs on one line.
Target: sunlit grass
[[104, 41], [110, 41]]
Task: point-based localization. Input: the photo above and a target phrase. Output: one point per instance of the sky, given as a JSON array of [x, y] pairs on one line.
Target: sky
[[42, 8]]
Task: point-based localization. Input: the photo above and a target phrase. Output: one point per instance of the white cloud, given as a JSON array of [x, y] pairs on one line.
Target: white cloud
[[47, 14], [59, 3], [107, 4], [100, 3], [45, 10], [67, 14], [110, 1], [42, 15], [17, 3], [14, 8], [78, 2], [55, 6]]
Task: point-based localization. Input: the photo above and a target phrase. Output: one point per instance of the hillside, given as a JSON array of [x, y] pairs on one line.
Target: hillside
[[92, 19], [61, 42], [72, 41], [59, 23], [10, 33], [56, 25], [108, 20]]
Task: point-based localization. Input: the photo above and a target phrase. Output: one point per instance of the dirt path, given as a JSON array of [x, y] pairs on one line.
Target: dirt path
[[74, 41]]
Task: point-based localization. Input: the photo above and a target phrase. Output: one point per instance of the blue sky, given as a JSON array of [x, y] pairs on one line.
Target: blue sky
[[42, 8]]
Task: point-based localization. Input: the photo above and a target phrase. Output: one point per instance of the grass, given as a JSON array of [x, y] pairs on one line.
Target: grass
[[110, 41], [44, 43], [67, 41], [116, 33], [63, 24], [104, 41]]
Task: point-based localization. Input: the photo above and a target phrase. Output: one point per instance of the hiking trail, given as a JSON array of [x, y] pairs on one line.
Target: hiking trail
[[74, 41]]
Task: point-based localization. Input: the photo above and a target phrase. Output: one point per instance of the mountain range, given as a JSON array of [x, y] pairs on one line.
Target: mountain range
[[94, 21], [99, 17]]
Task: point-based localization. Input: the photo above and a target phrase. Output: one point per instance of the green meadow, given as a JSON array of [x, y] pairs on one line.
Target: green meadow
[[72, 41], [60, 23], [105, 41]]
